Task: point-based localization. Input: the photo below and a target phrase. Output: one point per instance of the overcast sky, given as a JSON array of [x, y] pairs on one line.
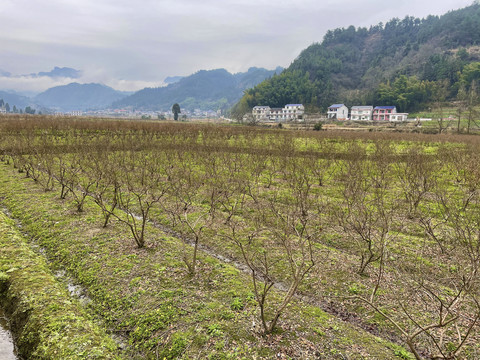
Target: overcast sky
[[131, 44]]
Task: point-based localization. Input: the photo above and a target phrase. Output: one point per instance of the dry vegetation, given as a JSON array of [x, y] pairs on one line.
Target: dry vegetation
[[380, 229]]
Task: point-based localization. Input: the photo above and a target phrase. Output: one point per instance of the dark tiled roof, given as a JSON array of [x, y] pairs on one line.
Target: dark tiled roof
[[385, 107]]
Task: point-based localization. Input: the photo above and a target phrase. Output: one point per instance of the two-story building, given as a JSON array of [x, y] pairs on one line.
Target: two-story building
[[289, 112], [361, 113], [338, 112], [383, 113], [261, 113], [276, 114], [293, 111]]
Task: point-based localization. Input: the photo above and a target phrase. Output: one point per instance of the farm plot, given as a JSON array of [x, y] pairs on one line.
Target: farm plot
[[192, 240]]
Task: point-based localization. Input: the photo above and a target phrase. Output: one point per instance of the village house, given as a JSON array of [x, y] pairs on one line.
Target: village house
[[338, 112], [383, 113], [261, 113], [293, 111], [361, 113], [289, 112], [399, 117], [276, 114]]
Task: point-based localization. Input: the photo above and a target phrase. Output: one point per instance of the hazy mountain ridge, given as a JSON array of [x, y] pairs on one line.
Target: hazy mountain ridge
[[352, 65], [56, 72], [14, 99], [205, 90], [77, 96]]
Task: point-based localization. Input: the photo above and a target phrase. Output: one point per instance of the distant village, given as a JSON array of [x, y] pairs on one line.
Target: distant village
[[296, 112], [290, 112], [121, 113]]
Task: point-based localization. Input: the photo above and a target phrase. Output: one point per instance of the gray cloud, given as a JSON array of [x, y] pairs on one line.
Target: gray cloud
[[132, 44]]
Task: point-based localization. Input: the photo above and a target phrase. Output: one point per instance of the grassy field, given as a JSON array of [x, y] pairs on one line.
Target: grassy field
[[193, 241]]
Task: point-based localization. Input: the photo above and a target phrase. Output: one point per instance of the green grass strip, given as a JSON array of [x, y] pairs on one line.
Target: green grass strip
[[46, 322]]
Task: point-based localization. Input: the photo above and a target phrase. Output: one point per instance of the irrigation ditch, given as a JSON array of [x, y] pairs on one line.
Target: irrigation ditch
[[8, 350], [40, 317]]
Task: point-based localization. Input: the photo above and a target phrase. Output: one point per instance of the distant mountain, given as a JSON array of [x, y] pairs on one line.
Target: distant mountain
[[205, 90], [14, 99], [402, 62], [76, 96], [172, 79], [64, 72], [57, 72]]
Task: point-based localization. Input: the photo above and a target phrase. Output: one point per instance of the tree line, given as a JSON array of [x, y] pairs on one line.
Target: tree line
[[402, 63], [6, 106]]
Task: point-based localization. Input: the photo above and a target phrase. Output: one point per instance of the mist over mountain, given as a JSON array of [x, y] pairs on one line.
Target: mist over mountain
[[64, 72], [57, 72], [409, 63], [76, 96], [205, 90]]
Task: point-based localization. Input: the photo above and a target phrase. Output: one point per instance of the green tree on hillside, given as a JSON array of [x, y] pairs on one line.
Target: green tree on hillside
[[406, 93], [397, 63], [470, 73], [439, 98], [472, 102]]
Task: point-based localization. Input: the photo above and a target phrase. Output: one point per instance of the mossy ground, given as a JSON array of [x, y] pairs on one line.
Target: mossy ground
[[46, 321]]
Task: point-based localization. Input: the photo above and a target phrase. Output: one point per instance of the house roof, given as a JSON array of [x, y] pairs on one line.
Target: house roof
[[385, 107], [294, 105], [336, 106], [362, 107]]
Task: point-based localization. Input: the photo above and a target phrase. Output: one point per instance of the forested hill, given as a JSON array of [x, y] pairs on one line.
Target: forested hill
[[205, 90], [408, 63]]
